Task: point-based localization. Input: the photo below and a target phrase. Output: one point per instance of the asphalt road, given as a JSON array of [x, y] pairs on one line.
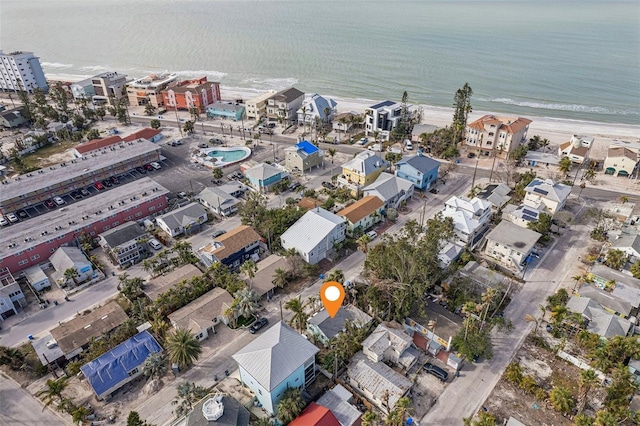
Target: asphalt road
[[19, 408]]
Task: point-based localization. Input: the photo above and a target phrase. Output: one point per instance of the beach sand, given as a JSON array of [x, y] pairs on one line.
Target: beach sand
[[557, 131]]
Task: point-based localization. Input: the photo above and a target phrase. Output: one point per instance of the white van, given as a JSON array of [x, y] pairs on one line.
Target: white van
[[407, 145], [155, 244], [377, 147]]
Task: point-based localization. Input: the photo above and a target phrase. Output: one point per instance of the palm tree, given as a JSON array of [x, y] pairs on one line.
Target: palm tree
[[565, 165], [280, 278], [188, 394], [561, 399], [183, 348], [588, 379], [401, 409], [363, 243], [299, 318], [369, 418], [53, 391], [148, 265], [71, 274], [544, 143], [246, 302], [217, 173], [335, 275], [249, 268], [623, 199], [615, 259], [291, 405], [331, 152], [531, 318], [183, 248], [155, 366]]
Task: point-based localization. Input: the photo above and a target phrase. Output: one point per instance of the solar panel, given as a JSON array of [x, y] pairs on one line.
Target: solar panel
[[529, 212], [529, 218], [540, 191]]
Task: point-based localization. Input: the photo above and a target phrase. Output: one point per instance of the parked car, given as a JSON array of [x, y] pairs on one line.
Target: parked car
[[218, 233], [75, 194], [148, 167], [141, 170], [372, 235], [363, 141], [202, 145], [433, 191], [107, 183], [12, 217], [155, 244], [329, 185], [50, 204], [84, 192], [155, 165], [215, 141], [99, 186], [178, 142], [436, 371], [3, 221], [59, 201], [114, 180], [22, 214], [294, 186], [257, 325]]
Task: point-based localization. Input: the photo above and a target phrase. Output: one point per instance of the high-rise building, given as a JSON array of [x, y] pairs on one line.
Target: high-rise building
[[21, 71]]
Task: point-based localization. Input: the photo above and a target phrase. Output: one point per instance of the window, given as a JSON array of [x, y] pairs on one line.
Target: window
[[23, 262], [133, 372], [35, 257]]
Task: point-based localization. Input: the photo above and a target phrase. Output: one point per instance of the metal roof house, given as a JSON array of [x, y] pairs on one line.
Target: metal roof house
[[329, 229], [71, 258], [339, 401], [278, 359], [420, 170], [263, 176], [215, 409], [185, 220], [470, 218], [391, 189], [218, 201], [122, 364], [325, 328], [315, 415], [510, 244], [37, 278], [315, 107]]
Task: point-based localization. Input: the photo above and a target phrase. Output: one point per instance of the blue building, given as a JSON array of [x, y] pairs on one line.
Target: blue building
[[264, 175], [420, 170], [226, 110], [122, 364], [303, 156], [280, 358]]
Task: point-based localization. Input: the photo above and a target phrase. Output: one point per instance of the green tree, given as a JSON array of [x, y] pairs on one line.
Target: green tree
[[462, 105], [133, 419], [188, 394], [149, 109], [280, 278], [189, 127], [217, 173], [246, 302], [615, 259], [300, 317], [369, 418], [185, 254], [71, 274], [484, 419], [155, 123], [565, 165], [588, 379], [290, 406], [101, 112], [542, 225], [183, 348], [155, 366], [635, 269], [606, 418], [331, 152], [249, 269], [561, 399], [93, 134], [131, 288], [620, 391], [53, 391]]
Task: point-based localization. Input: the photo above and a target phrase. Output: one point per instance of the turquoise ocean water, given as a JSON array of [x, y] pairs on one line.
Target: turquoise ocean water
[[567, 59]]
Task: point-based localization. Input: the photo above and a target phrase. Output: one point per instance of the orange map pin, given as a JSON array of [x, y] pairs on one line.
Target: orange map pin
[[332, 295]]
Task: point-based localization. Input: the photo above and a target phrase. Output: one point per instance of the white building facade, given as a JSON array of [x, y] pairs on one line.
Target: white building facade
[[21, 71]]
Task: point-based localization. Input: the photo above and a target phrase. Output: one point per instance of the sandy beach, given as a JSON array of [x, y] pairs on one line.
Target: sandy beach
[[556, 130]]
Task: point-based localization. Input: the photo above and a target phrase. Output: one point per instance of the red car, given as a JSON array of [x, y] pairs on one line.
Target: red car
[[49, 203], [99, 186], [148, 167]]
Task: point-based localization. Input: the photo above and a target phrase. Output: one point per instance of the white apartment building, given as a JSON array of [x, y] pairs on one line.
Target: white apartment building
[[382, 118], [100, 88], [492, 133], [21, 71], [146, 90]]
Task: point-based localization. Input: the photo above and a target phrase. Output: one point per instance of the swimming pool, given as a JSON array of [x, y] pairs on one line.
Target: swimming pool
[[223, 156]]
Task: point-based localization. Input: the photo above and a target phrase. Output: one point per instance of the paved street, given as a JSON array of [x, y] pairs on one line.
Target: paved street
[[19, 408]]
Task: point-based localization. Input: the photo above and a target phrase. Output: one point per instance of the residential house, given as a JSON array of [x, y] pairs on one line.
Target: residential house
[[48, 351], [324, 328], [483, 278], [421, 129], [162, 283], [381, 118], [608, 301], [232, 248], [496, 194], [198, 93], [216, 410], [278, 359], [284, 105], [620, 160], [449, 254], [37, 278], [218, 201], [121, 365], [471, 218], [343, 122], [363, 214], [12, 118], [607, 278], [148, 90], [263, 176], [73, 336], [340, 401], [263, 280], [328, 229], [420, 170], [65, 258], [226, 110], [497, 135], [184, 220], [577, 148], [546, 195], [377, 382], [11, 295], [598, 320], [257, 107], [521, 215], [629, 243], [391, 189], [104, 88], [510, 244], [540, 159], [390, 343], [152, 135], [316, 108], [235, 188], [203, 314], [125, 244], [362, 170], [303, 156], [315, 415]]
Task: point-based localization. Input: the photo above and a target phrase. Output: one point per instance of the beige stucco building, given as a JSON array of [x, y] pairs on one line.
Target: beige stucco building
[[257, 107], [303, 156], [499, 134]]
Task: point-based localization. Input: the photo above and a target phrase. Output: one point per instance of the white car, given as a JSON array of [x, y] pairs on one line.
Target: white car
[[3, 221], [372, 235], [12, 217], [59, 201], [155, 244], [156, 165]]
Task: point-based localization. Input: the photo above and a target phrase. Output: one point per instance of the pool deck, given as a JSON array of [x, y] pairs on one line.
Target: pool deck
[[202, 156]]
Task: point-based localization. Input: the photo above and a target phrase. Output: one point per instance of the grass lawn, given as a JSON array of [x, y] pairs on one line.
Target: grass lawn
[[47, 155]]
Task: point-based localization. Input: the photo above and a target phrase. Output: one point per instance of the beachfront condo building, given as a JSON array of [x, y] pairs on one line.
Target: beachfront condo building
[[492, 134], [21, 71], [257, 107], [148, 90], [105, 88], [284, 106], [381, 118], [198, 93]]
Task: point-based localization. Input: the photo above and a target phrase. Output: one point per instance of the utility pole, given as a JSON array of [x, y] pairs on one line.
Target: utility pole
[[175, 109], [475, 170]]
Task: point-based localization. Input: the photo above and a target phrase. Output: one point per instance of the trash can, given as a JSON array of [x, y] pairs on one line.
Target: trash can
[[30, 337]]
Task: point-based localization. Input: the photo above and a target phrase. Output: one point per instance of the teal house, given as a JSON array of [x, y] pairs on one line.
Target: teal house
[[226, 110], [263, 176]]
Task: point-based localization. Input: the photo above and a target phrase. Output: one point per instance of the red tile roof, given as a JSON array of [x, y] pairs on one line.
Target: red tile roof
[[315, 415], [96, 144], [146, 133], [509, 124]]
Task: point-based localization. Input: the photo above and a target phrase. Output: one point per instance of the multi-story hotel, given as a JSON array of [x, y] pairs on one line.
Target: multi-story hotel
[[33, 241], [148, 90], [257, 107], [492, 133], [101, 89], [187, 94], [21, 71], [284, 105]]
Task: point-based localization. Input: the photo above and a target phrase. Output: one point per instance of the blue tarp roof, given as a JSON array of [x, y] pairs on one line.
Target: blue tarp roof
[[307, 147], [113, 367]]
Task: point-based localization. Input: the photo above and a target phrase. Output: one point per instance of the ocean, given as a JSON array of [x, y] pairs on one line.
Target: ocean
[[566, 59]]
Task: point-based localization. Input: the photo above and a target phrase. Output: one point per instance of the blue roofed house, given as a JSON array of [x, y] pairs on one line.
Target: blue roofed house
[[303, 156], [315, 107], [420, 170], [263, 176], [280, 358], [122, 364]]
